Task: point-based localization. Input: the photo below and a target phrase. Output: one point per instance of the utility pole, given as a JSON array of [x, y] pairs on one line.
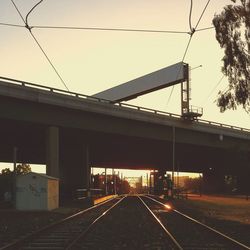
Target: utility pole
[[173, 170], [106, 187], [14, 175], [150, 183], [114, 182], [147, 183]]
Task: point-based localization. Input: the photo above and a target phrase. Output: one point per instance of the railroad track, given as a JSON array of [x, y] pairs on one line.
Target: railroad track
[[129, 222], [131, 225], [123, 223], [190, 233], [60, 234]]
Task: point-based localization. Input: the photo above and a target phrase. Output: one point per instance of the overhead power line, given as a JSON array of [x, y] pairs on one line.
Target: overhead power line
[[190, 16], [48, 59], [12, 25], [183, 58], [104, 29], [208, 28], [202, 14], [26, 18], [192, 31], [214, 88], [109, 29], [35, 39], [18, 11]]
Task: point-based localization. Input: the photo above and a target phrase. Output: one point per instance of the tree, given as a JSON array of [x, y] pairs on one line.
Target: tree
[[232, 27], [6, 171], [6, 177], [23, 168]]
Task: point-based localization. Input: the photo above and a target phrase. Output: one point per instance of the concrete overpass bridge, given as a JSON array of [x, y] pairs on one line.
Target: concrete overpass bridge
[[70, 132]]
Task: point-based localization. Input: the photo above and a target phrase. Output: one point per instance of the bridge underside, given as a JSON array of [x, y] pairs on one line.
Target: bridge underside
[[117, 151], [69, 134]]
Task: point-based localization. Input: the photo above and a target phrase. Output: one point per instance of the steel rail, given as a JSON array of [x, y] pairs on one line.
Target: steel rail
[[121, 104], [86, 231], [202, 224], [17, 243], [161, 225]]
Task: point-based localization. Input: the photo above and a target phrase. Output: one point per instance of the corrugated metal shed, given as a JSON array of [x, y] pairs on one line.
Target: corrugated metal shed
[[36, 191]]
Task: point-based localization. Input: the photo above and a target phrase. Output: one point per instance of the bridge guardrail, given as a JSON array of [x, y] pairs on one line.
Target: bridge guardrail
[[121, 104]]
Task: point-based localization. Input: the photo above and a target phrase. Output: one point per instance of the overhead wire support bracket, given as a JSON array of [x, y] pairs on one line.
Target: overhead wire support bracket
[[29, 28]]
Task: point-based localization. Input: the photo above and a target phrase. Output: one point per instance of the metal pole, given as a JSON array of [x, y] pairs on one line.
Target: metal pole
[[88, 172], [200, 180], [114, 182], [119, 182], [147, 183], [14, 175], [150, 182], [122, 182], [173, 170], [153, 186], [106, 187], [91, 178], [178, 169]]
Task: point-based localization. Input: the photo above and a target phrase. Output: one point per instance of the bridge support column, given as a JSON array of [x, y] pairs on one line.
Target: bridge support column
[[243, 174], [213, 181], [75, 170], [243, 184], [52, 151]]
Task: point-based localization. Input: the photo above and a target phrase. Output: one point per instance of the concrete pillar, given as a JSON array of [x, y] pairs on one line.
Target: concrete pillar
[[213, 181], [86, 169], [243, 174], [52, 151], [74, 169]]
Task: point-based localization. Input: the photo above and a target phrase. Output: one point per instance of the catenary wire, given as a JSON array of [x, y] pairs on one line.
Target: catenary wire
[[214, 88], [12, 25], [185, 52], [104, 29], [108, 29], [189, 41], [18, 11], [202, 14], [26, 18], [208, 28], [190, 16], [39, 45], [50, 62]]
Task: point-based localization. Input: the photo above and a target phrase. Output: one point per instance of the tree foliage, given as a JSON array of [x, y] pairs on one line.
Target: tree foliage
[[22, 168], [6, 171], [6, 177], [232, 27]]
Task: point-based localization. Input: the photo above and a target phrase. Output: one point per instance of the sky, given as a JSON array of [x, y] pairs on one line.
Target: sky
[[92, 61]]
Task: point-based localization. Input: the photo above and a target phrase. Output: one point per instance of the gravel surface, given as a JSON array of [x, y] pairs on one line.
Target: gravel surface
[[15, 224], [127, 226], [190, 235], [229, 216]]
